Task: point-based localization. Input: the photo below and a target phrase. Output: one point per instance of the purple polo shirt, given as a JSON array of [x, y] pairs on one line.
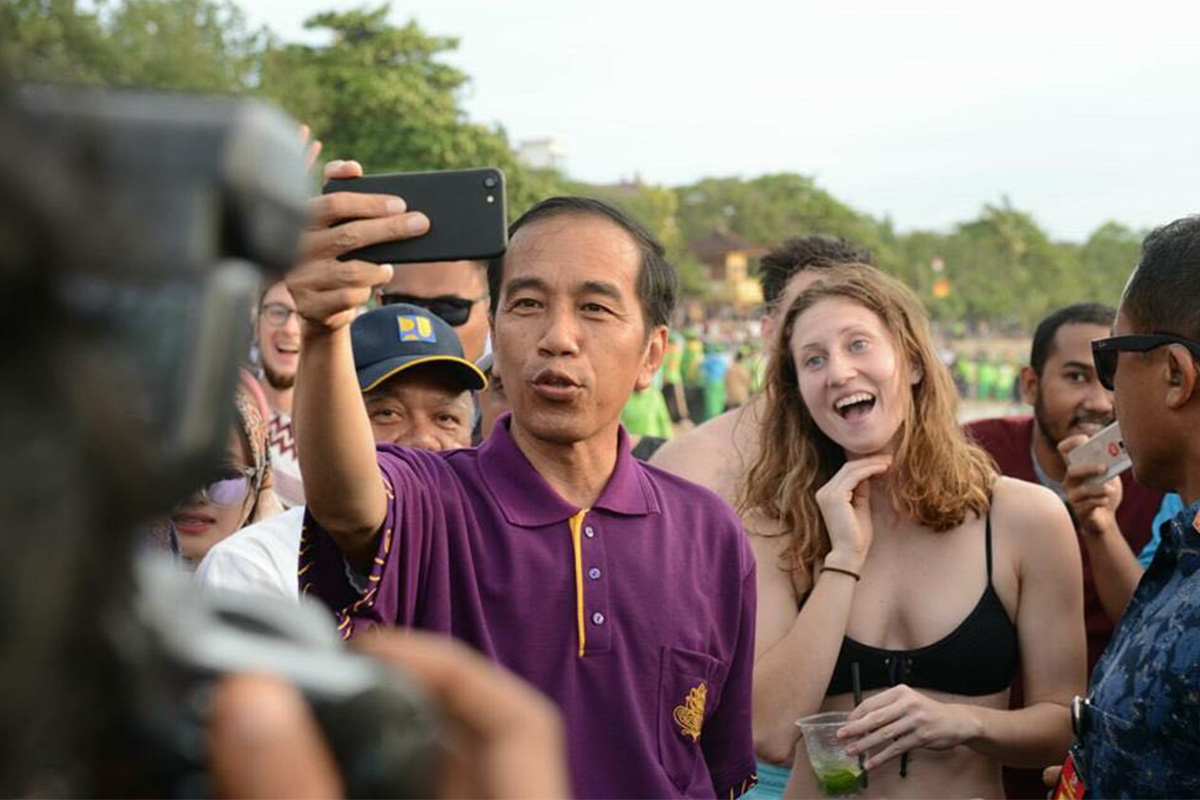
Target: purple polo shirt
[[636, 616]]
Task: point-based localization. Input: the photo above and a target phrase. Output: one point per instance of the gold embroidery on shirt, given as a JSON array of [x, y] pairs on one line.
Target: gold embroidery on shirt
[[690, 716]]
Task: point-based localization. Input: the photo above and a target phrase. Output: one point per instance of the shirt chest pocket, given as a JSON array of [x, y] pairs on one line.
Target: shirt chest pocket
[[689, 691]]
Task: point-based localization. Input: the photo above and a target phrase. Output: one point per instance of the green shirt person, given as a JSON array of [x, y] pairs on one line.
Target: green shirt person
[[645, 414]]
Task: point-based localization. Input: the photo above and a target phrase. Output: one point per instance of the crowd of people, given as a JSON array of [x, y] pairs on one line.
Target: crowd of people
[[487, 451]]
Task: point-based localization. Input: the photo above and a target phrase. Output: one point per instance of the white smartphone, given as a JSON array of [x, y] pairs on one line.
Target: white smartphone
[[1107, 448]]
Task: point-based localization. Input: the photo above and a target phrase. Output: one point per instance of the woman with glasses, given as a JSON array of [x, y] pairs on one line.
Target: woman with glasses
[[900, 579], [239, 491]]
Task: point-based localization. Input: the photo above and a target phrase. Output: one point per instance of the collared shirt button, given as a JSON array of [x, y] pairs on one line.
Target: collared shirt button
[[589, 532], [594, 573], [598, 618]]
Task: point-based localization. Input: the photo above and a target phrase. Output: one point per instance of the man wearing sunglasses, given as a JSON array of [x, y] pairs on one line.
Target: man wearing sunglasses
[[456, 291], [1070, 404], [1112, 519], [1138, 734]]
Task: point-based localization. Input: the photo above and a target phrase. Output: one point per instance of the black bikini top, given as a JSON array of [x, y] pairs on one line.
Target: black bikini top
[[979, 657]]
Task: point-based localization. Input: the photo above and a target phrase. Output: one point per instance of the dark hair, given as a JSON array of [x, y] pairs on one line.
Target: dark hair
[[657, 281], [806, 252], [1078, 314], [1162, 296]]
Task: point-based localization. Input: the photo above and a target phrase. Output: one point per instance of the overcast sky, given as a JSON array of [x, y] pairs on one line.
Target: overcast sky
[[924, 111]]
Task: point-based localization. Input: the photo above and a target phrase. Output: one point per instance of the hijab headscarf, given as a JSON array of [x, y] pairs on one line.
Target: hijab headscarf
[[252, 418]]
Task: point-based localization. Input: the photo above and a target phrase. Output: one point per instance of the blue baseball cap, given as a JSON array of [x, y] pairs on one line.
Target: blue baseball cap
[[391, 339]]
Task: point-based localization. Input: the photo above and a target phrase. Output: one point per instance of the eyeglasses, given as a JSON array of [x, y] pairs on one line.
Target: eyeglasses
[[1105, 352], [230, 485], [454, 310], [278, 314]]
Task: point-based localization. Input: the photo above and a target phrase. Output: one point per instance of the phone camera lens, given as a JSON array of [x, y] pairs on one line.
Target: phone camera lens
[[490, 182]]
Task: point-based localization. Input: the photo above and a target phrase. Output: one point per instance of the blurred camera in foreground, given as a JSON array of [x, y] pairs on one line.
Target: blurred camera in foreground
[[135, 231]]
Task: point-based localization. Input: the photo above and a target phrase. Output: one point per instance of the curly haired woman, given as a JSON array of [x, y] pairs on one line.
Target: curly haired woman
[[887, 541]]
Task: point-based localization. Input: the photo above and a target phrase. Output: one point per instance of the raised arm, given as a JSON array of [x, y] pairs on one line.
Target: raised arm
[[1115, 567], [1049, 628], [797, 649], [335, 446]]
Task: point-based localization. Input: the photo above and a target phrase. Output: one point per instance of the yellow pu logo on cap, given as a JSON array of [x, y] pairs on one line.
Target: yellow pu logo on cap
[[416, 329]]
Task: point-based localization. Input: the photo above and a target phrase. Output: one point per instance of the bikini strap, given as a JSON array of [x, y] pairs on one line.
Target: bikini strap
[[988, 544]]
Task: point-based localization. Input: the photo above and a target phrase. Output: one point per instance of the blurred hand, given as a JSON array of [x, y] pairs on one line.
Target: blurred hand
[[313, 147], [845, 503], [1094, 504], [903, 719], [264, 743], [507, 738], [1050, 776], [328, 292]]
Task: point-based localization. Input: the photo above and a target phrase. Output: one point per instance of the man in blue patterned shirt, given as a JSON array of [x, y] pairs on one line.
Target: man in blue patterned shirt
[[1139, 730]]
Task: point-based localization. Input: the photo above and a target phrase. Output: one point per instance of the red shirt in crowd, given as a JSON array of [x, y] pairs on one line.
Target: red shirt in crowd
[[1009, 440]]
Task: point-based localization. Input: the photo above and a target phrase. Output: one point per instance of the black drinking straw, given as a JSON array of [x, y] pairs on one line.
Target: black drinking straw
[[856, 680]]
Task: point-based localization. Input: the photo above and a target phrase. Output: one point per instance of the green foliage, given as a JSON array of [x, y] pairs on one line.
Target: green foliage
[[52, 41], [381, 95], [656, 207], [1106, 259], [193, 45], [769, 209]]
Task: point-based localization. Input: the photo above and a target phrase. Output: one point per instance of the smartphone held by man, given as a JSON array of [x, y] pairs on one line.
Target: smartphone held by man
[[466, 210], [1106, 448]]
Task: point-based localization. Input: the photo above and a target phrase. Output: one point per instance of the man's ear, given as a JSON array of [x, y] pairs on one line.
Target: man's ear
[[1029, 385], [652, 358], [1182, 376], [768, 327]]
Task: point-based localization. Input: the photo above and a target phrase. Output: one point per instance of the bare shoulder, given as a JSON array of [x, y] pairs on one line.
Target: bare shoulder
[[770, 546], [680, 454], [712, 455], [1031, 516]]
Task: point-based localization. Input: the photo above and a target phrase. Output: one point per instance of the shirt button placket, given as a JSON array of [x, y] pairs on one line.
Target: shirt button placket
[[596, 569]]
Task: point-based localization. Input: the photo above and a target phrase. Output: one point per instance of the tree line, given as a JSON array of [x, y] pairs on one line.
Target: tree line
[[383, 94]]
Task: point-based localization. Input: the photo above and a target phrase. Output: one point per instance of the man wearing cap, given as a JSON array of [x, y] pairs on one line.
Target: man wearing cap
[[454, 290], [627, 595], [417, 389]]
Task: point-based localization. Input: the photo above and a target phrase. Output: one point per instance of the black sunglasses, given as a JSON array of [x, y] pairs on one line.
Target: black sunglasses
[[1106, 351], [454, 310]]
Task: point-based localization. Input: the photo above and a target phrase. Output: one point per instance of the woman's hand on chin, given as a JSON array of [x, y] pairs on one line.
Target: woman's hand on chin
[[845, 503]]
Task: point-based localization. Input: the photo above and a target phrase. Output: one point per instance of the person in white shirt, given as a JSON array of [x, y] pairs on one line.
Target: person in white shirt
[[417, 388], [277, 340]]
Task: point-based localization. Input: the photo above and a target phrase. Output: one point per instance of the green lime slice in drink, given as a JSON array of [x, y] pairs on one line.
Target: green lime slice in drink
[[839, 781]]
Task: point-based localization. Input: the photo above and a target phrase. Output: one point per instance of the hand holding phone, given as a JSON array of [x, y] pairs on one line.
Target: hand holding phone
[[1106, 448], [327, 293], [466, 211]]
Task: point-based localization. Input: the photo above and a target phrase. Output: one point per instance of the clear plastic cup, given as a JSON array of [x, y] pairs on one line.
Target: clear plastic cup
[[838, 773]]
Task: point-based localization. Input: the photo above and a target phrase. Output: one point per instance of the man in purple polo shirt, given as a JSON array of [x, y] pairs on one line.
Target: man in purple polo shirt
[[624, 593]]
